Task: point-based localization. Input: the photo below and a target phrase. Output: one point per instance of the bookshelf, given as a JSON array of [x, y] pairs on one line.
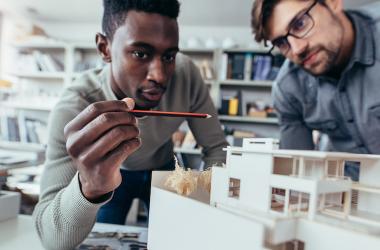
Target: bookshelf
[[39, 72], [246, 77], [40, 75], [255, 90], [39, 45], [84, 57], [248, 119], [242, 83], [46, 83], [207, 62]]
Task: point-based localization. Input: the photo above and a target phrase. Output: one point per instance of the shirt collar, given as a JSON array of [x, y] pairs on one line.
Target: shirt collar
[[364, 49]]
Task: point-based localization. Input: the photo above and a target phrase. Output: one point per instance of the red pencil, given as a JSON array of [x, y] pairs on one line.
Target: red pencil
[[166, 113]]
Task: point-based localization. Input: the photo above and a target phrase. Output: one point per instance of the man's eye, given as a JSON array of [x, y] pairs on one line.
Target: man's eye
[[280, 43], [139, 54], [168, 58], [300, 24]]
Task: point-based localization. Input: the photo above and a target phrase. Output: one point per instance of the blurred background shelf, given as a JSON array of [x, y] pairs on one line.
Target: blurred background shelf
[[247, 119], [40, 75], [265, 84], [39, 106]]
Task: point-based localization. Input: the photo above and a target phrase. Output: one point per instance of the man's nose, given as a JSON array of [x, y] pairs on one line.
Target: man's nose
[[157, 71], [297, 45]]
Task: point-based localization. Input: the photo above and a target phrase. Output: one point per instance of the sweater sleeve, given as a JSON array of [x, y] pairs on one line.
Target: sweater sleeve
[[63, 216], [207, 132]]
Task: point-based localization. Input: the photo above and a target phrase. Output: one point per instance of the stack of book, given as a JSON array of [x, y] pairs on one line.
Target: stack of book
[[38, 62], [250, 66], [24, 130]]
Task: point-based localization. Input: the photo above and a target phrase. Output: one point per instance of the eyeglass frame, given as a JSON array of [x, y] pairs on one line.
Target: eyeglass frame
[[290, 27]]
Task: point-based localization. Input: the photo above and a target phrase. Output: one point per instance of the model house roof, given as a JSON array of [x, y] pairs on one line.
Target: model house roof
[[306, 153]]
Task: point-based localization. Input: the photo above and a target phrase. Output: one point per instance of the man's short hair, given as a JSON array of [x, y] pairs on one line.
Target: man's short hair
[[261, 12], [115, 11]]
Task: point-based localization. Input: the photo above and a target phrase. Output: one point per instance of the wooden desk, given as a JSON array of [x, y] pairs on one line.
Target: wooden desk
[[19, 233]]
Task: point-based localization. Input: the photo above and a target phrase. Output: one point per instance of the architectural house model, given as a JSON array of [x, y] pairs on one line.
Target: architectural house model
[[266, 198]]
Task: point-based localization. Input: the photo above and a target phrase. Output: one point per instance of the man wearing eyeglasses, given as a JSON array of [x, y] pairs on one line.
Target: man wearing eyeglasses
[[331, 80]]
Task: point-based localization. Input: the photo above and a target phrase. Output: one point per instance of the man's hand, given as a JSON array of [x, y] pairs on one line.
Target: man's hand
[[99, 139]]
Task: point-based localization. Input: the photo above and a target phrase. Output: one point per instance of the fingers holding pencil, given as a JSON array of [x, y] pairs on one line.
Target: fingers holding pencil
[[98, 140]]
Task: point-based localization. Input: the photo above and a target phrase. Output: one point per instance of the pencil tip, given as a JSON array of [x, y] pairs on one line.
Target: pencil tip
[[208, 116]]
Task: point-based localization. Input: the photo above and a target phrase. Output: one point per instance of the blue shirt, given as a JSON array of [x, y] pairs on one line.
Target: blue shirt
[[346, 109]]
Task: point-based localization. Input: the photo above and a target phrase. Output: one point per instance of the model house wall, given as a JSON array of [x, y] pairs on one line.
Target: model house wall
[[260, 179], [285, 199]]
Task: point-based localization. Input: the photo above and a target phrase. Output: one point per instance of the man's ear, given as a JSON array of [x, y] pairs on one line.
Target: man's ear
[[103, 46], [335, 5]]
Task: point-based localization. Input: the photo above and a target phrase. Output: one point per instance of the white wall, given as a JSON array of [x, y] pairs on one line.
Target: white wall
[[85, 32], [5, 37], [203, 20], [9, 30]]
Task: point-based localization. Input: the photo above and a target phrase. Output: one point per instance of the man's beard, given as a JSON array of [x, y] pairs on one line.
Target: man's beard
[[327, 63]]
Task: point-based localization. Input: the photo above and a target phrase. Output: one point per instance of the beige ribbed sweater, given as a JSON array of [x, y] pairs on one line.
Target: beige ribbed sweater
[[63, 217]]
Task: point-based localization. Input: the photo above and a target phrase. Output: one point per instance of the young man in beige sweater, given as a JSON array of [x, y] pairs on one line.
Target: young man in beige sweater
[[100, 157]]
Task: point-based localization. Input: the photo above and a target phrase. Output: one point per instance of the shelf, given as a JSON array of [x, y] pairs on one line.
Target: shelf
[[196, 151], [248, 119], [40, 75], [76, 75], [18, 146], [40, 45], [84, 46], [32, 105], [246, 50], [7, 91], [197, 50], [265, 84]]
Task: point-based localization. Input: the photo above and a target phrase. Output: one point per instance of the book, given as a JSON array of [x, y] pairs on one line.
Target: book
[[38, 56], [238, 66], [207, 71], [248, 66], [266, 68], [229, 67], [31, 134], [255, 67], [223, 66], [241, 109], [13, 129], [277, 62], [224, 106], [33, 130]]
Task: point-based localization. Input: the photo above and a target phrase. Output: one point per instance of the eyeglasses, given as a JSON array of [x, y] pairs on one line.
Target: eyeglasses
[[299, 27]]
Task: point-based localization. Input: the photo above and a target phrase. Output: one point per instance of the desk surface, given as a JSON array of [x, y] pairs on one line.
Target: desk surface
[[17, 232]]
